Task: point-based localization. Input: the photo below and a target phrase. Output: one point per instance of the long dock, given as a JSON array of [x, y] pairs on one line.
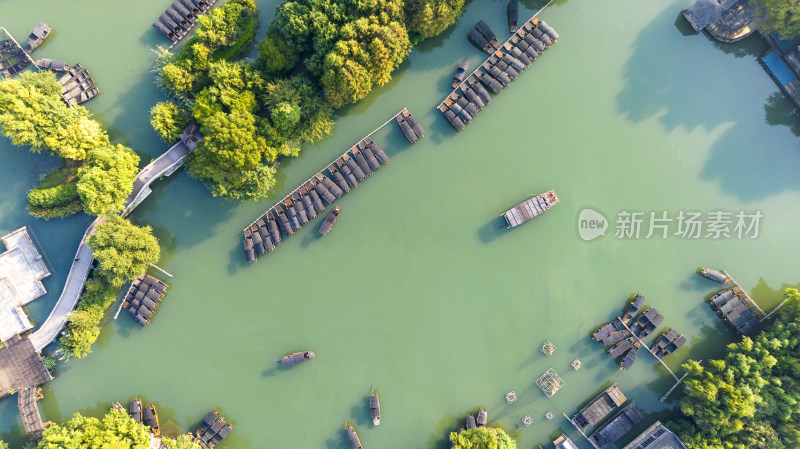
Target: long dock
[[21, 48], [338, 178], [505, 63]]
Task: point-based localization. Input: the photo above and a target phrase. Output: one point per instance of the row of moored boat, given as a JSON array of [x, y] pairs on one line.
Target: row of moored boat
[[77, 85], [143, 297], [324, 188], [737, 309], [179, 18], [504, 65], [305, 203], [212, 430]]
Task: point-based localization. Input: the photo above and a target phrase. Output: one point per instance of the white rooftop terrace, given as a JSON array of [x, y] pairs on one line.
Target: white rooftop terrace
[[22, 269]]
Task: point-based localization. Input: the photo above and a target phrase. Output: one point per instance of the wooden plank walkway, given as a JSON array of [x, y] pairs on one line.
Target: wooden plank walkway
[[165, 164], [29, 411], [78, 272], [348, 152]]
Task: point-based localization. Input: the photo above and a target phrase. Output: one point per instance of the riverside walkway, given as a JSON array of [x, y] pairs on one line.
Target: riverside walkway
[[164, 165]]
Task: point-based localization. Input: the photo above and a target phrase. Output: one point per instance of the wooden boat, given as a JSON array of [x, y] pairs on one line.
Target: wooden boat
[[135, 410], [297, 357], [470, 422], [224, 432], [530, 209], [16, 68], [715, 276], [487, 32], [213, 430], [483, 417], [458, 78], [406, 128], [151, 419], [629, 358], [375, 408], [37, 36], [513, 15], [633, 308], [414, 125], [330, 220], [207, 422], [352, 436], [53, 64]]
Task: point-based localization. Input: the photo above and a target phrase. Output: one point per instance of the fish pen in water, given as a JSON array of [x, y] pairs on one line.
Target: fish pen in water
[[504, 64], [550, 382], [338, 178]]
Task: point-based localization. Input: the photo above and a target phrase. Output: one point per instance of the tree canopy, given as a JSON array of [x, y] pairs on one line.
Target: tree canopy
[[107, 179], [428, 18], [32, 113], [168, 121], [123, 250], [116, 430], [751, 398], [482, 438], [782, 16], [352, 45]]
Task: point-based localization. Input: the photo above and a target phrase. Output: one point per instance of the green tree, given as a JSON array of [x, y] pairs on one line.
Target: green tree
[[168, 121], [3, 445], [751, 398], [182, 442], [782, 16], [32, 113], [482, 438], [107, 180], [176, 78], [428, 18], [123, 250], [276, 56], [285, 117], [116, 430]]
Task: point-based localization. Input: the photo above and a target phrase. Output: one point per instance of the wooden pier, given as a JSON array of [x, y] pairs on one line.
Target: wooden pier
[[504, 64], [338, 178], [21, 48]]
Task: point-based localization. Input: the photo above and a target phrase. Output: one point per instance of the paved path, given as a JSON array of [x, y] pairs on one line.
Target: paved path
[[164, 165]]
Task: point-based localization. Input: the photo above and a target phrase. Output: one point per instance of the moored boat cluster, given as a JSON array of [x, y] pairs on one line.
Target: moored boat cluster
[[179, 18], [143, 297], [504, 65], [212, 430], [626, 340], [77, 85], [13, 58], [737, 309]]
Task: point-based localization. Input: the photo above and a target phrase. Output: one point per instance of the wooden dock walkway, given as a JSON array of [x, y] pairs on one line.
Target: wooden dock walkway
[[646, 348], [27, 402], [338, 178], [470, 97], [164, 165]]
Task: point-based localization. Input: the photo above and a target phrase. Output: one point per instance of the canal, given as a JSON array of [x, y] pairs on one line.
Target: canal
[[418, 291]]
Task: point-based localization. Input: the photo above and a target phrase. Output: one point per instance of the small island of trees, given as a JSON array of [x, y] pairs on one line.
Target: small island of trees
[[750, 398], [482, 438]]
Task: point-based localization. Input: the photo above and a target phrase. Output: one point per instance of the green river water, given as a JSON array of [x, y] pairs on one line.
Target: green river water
[[418, 291]]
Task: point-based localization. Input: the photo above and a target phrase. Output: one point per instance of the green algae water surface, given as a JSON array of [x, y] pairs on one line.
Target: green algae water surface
[[418, 291]]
